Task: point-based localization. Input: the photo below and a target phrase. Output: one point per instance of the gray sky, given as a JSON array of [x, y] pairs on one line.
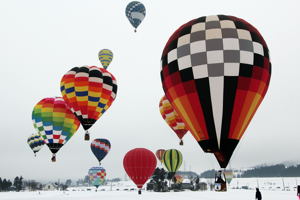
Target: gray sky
[[42, 40]]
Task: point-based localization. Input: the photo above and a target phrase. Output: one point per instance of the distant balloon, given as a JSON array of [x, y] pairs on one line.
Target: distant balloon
[[216, 71], [105, 57], [178, 178], [135, 12], [36, 142], [172, 118], [55, 122], [159, 154], [88, 91], [100, 148], [229, 175], [139, 164], [97, 176], [172, 160]]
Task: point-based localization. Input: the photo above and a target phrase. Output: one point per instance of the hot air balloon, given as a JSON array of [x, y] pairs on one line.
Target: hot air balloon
[[105, 56], [135, 12], [178, 178], [88, 91], [172, 118], [229, 175], [159, 154], [55, 122], [139, 164], [172, 160], [35, 142], [97, 176], [215, 72], [100, 147]]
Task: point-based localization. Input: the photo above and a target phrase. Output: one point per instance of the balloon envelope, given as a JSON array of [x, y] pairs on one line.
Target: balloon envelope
[[88, 91], [97, 176], [159, 154], [172, 118], [216, 72], [135, 12], [100, 147], [55, 122], [172, 160], [139, 164], [35, 142], [105, 56]]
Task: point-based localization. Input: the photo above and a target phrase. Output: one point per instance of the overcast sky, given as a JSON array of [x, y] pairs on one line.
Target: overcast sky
[[42, 40]]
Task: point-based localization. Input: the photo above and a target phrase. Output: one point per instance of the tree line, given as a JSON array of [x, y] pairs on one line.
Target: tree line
[[278, 170]]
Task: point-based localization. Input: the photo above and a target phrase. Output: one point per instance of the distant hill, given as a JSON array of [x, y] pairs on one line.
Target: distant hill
[[187, 173], [278, 170]]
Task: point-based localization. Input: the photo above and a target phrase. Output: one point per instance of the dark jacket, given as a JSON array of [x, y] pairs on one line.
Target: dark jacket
[[258, 195]]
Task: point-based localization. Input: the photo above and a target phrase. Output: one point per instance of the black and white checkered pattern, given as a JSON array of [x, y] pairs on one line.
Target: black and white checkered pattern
[[215, 48]]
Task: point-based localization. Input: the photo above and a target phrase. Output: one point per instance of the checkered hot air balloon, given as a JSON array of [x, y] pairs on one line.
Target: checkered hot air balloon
[[105, 56], [172, 118], [97, 176], [88, 91], [35, 142], [135, 12], [100, 148], [215, 71], [55, 123]]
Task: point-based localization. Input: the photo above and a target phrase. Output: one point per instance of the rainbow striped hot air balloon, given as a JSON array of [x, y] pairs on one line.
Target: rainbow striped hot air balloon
[[88, 91], [105, 56], [55, 122]]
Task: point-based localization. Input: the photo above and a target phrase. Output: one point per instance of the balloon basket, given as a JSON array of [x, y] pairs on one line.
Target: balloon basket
[[87, 136], [53, 159]]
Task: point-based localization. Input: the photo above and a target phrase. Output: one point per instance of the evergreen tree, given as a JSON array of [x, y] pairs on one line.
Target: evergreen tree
[[0, 184], [16, 182], [4, 185]]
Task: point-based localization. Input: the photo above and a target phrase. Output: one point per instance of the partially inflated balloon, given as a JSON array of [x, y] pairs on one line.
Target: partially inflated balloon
[[139, 164], [36, 142], [105, 56], [229, 175], [172, 118], [88, 91], [159, 154], [55, 122], [215, 72], [135, 12], [100, 148], [172, 160]]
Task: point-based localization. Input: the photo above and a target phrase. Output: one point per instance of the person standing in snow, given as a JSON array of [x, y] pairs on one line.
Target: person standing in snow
[[298, 191], [258, 195]]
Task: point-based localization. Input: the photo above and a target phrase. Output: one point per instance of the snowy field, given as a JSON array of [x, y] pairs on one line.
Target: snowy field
[[131, 195], [271, 188]]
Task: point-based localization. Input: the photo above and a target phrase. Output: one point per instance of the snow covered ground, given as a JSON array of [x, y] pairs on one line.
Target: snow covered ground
[[271, 188], [131, 195]]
